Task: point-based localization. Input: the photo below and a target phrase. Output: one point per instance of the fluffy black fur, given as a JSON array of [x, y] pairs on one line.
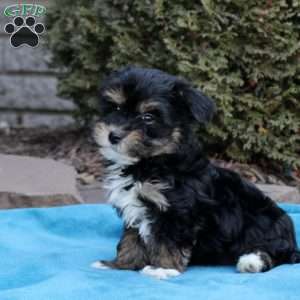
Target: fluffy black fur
[[212, 213]]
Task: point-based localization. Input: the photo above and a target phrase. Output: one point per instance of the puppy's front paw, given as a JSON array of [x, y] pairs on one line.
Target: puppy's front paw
[[160, 273], [99, 265]]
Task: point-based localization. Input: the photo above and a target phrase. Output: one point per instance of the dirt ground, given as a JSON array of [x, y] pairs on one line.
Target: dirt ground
[[76, 147]]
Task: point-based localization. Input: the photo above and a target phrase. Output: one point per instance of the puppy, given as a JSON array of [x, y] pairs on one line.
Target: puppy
[[178, 208]]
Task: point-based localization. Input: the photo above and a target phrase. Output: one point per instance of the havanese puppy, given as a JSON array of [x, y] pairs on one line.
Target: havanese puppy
[[178, 208]]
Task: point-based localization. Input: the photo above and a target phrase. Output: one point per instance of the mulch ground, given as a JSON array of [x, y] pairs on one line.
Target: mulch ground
[[76, 147]]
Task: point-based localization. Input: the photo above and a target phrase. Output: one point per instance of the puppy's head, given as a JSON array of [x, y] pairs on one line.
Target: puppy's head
[[146, 113]]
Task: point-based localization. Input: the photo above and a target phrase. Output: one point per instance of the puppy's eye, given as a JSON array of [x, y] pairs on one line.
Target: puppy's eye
[[148, 118]]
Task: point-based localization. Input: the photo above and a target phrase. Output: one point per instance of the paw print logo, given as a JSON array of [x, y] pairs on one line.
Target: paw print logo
[[24, 31]]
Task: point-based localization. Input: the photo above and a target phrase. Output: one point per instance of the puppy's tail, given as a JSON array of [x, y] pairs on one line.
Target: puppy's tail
[[295, 257]]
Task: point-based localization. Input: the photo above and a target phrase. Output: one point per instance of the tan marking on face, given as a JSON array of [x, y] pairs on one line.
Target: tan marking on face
[[124, 153], [148, 106], [101, 134], [133, 137], [167, 145], [152, 191], [131, 142], [116, 96], [102, 131]]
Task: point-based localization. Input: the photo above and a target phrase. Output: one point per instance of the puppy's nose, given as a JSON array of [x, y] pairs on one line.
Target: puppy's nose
[[114, 138]]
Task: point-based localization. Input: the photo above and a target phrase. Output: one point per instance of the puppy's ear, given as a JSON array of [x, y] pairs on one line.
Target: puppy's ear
[[200, 106]]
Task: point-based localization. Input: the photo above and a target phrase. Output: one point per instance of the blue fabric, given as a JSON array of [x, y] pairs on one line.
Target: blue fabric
[[46, 253]]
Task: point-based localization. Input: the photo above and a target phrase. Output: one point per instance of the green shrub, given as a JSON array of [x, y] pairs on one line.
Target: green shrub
[[244, 54]]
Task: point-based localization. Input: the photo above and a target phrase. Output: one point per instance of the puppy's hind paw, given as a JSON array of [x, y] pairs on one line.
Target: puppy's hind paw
[[250, 263]]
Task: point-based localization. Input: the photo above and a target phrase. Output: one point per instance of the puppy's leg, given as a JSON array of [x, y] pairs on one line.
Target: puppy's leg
[[166, 261], [131, 253], [254, 262]]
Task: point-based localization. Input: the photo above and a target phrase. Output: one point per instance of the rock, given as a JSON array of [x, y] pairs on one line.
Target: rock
[[24, 58], [8, 117], [4, 126], [93, 193], [35, 182], [281, 193], [86, 178], [30, 120], [33, 92], [78, 164], [271, 179]]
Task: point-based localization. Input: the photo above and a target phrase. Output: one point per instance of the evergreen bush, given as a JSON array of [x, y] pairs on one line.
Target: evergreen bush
[[244, 54]]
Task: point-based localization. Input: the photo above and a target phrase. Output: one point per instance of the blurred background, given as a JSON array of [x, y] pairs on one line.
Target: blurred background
[[244, 54]]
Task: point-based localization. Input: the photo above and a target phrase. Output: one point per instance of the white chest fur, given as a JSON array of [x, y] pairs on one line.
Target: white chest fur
[[124, 195]]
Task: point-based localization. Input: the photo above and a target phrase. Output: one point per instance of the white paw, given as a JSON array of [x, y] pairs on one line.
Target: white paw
[[250, 263], [159, 273], [99, 265]]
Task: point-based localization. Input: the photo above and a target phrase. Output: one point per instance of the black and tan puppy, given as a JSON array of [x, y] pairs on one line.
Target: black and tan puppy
[[178, 208]]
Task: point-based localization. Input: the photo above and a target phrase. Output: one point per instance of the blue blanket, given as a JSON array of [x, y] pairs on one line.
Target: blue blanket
[[46, 254]]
